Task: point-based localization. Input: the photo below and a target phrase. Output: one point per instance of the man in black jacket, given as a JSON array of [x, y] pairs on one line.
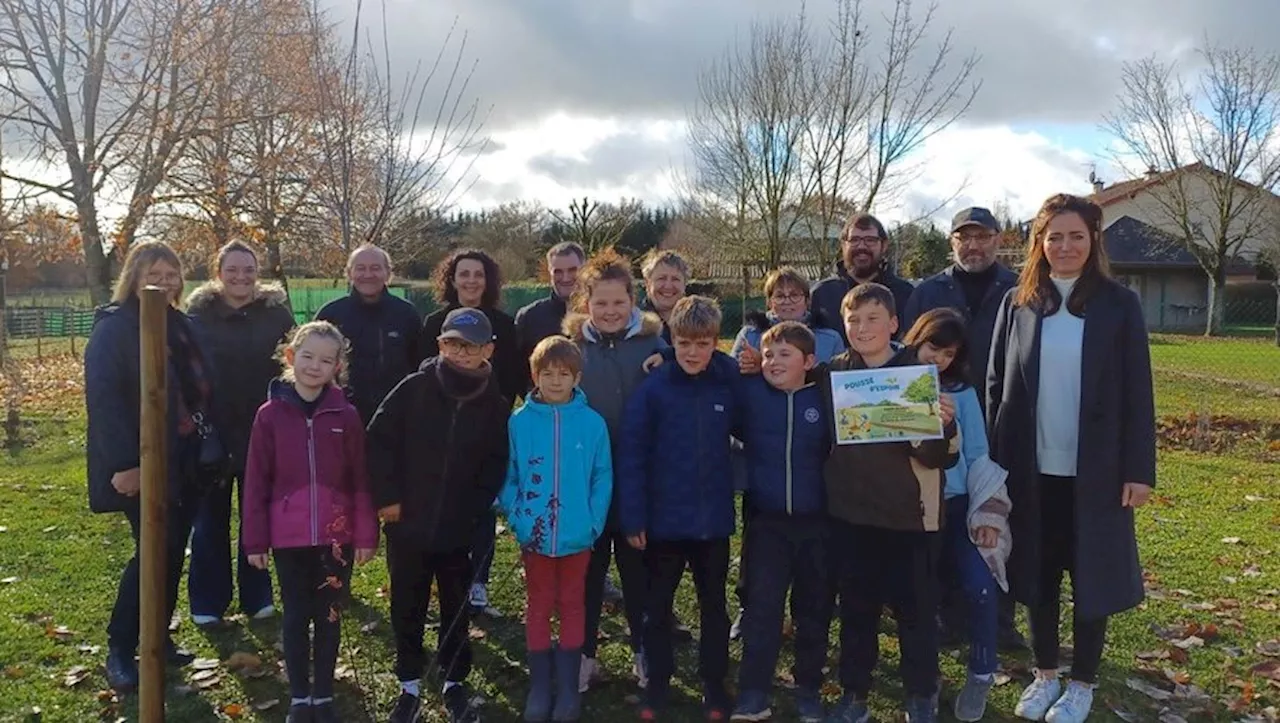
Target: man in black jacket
[[542, 318], [863, 243], [382, 330]]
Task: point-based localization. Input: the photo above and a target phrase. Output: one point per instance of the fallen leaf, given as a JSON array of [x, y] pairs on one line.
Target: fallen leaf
[[233, 710], [1191, 641], [1177, 676], [50, 528], [203, 675], [1254, 498], [1252, 571], [89, 649], [1231, 540], [1002, 679], [61, 632], [1269, 669], [477, 633], [8, 580], [1168, 716], [266, 704], [1270, 648], [13, 672], [75, 676], [1161, 654], [369, 627], [3, 528], [204, 664], [107, 696], [1148, 690]]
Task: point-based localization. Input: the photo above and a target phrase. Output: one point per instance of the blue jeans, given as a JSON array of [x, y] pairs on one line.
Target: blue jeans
[[980, 590], [209, 584]]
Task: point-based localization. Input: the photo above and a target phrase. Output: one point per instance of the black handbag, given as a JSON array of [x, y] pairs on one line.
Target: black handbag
[[212, 461]]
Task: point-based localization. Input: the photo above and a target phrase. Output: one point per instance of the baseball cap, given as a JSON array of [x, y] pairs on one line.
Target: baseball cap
[[974, 216], [469, 325]]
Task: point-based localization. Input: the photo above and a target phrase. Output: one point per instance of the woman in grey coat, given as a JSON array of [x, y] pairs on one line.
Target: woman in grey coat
[[1071, 415]]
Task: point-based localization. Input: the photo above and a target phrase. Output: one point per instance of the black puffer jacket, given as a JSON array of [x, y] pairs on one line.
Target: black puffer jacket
[[384, 345], [438, 448], [243, 343]]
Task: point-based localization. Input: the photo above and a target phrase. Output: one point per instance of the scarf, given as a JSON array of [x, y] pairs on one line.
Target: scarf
[[463, 384], [192, 375]]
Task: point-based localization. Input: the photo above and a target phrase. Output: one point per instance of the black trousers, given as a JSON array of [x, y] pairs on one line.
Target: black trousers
[[665, 561], [785, 553], [879, 567], [313, 588], [1057, 556], [123, 629], [412, 570], [741, 589], [631, 571]]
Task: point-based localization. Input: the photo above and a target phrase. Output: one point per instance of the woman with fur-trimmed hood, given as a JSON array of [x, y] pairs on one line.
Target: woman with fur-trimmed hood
[[243, 320]]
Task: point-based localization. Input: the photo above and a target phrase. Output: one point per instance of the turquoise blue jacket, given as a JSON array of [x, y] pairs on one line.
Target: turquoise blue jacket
[[559, 476], [973, 439]]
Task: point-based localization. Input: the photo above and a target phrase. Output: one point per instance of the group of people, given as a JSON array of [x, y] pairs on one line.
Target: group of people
[[630, 435]]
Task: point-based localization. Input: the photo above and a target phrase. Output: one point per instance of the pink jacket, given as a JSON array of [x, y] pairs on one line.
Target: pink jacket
[[305, 481]]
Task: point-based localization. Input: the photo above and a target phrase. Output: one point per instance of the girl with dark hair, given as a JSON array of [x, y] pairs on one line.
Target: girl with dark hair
[[471, 278], [1071, 414], [976, 539]]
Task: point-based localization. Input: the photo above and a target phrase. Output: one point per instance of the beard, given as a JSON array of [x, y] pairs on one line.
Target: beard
[[975, 264]]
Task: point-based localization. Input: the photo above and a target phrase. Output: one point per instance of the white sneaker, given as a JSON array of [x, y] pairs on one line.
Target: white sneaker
[[1073, 706], [641, 669], [205, 620], [588, 672], [1038, 698], [479, 596], [265, 613]]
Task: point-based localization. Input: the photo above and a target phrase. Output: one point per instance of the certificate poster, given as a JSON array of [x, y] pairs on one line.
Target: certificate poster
[[897, 404]]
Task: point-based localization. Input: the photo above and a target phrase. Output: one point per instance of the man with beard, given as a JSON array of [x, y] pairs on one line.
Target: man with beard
[[542, 318], [863, 243], [973, 285]]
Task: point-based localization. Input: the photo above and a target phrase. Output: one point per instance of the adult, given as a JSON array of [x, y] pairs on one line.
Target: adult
[[471, 278], [974, 285], [382, 330], [863, 243], [242, 320], [1072, 417], [112, 364], [666, 276], [542, 318], [786, 294]]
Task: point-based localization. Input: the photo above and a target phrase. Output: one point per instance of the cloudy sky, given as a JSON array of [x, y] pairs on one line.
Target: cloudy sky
[[590, 96]]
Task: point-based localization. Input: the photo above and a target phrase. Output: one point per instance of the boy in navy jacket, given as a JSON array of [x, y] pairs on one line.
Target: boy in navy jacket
[[787, 435], [675, 493]]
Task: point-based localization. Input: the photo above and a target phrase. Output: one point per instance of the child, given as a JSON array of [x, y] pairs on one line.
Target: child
[[976, 541], [676, 496], [438, 456], [307, 447], [556, 499], [787, 437], [885, 503]]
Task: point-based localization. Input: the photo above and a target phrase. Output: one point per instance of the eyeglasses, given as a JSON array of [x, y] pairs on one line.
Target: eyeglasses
[[790, 298], [453, 346], [863, 241], [974, 238]]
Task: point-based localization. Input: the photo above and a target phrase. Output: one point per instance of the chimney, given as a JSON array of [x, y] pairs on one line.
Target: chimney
[[1097, 182]]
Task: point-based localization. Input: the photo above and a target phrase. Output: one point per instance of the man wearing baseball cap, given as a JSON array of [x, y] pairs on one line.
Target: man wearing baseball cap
[[437, 456]]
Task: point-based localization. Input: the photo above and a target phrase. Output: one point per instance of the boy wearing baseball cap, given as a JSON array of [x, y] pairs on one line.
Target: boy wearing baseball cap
[[437, 457]]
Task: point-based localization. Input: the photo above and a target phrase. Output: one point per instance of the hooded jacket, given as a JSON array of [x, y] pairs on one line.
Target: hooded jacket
[[305, 484], [674, 475], [890, 485], [510, 369], [559, 476], [827, 294], [438, 448], [829, 343], [383, 335], [243, 344]]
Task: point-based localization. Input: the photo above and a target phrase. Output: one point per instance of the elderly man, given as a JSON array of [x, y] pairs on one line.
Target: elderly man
[[973, 285], [863, 243], [382, 330], [542, 318]]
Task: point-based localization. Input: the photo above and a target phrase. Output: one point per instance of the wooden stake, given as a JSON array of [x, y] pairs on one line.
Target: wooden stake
[[154, 455]]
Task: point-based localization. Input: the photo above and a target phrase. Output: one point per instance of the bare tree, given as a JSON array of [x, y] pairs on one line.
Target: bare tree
[[596, 226], [104, 89], [1215, 140], [390, 149], [793, 129]]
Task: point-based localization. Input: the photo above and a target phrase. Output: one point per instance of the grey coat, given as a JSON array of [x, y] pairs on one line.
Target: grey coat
[[1117, 445]]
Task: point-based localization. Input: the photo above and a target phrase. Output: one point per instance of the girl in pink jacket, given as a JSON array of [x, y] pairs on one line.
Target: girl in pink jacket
[[306, 499]]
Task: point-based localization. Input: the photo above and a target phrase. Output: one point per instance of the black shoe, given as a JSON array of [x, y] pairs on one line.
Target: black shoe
[[408, 709], [175, 656], [122, 672], [324, 713], [300, 713], [1010, 640], [457, 700]]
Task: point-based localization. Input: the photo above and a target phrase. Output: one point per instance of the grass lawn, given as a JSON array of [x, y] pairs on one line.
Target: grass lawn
[[1249, 360], [1210, 542]]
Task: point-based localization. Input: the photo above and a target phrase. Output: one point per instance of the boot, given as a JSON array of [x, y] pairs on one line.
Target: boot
[[537, 707], [568, 699]]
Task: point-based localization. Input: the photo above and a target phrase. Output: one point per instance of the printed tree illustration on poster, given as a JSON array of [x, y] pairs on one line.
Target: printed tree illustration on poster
[[924, 390]]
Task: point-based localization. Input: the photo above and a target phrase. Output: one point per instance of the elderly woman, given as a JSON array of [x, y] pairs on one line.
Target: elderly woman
[[1071, 414], [242, 320], [666, 274], [112, 363]]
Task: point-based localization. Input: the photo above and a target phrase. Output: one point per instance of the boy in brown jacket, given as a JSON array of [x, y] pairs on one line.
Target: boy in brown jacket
[[886, 509]]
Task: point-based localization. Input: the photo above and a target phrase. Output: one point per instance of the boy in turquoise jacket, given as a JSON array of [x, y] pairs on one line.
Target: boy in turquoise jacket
[[556, 499]]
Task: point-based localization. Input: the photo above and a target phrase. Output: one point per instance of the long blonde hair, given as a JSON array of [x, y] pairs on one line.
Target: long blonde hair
[[139, 260], [323, 330]]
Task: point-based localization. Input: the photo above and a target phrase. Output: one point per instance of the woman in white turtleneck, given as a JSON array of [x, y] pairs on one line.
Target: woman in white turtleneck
[[1071, 416]]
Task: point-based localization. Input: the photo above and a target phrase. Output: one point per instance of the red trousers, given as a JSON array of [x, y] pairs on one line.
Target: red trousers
[[555, 585]]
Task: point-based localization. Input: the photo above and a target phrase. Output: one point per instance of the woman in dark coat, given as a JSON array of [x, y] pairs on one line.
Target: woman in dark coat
[[112, 399], [471, 278], [1071, 414], [242, 320]]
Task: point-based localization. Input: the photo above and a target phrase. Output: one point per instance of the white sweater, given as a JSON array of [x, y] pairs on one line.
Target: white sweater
[[1058, 409]]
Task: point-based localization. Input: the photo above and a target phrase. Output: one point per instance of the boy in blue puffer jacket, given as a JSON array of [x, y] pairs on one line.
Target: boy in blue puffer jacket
[[556, 499], [787, 436], [675, 494]]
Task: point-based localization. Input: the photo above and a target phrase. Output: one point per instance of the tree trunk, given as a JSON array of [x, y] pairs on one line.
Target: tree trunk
[[1277, 287], [97, 267], [1215, 319]]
